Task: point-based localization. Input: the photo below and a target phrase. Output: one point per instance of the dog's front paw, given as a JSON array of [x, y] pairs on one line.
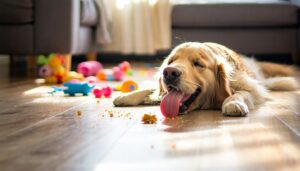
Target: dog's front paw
[[119, 101], [133, 98], [235, 108], [127, 100]]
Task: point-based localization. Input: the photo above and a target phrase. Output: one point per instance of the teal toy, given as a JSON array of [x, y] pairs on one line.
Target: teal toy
[[73, 88]]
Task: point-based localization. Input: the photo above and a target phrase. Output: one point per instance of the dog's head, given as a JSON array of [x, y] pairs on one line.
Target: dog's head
[[193, 76]]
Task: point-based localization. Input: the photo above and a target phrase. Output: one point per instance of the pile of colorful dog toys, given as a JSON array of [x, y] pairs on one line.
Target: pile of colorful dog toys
[[88, 74]]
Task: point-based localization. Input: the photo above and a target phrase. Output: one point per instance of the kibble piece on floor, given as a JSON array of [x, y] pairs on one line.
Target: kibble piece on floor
[[78, 113], [149, 119]]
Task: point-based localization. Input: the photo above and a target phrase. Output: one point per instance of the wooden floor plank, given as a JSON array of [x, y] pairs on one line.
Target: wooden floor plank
[[66, 132], [24, 115]]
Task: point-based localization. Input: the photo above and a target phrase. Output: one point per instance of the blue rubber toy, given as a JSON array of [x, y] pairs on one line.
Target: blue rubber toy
[[73, 88]]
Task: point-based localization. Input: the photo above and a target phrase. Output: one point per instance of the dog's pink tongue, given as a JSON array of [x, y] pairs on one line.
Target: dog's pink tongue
[[170, 103]]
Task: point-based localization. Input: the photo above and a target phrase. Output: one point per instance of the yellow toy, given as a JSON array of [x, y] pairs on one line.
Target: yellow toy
[[72, 76], [54, 61], [59, 70], [51, 80]]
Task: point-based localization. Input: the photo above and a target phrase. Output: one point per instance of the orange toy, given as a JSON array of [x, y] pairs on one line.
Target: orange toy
[[101, 75], [127, 86]]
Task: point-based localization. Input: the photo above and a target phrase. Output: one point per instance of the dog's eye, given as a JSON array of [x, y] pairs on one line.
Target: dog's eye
[[197, 64]]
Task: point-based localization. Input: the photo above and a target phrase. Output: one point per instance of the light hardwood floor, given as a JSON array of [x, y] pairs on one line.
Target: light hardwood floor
[[43, 132]]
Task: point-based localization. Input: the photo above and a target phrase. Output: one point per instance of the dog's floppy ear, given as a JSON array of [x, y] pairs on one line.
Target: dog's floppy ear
[[162, 90], [222, 87]]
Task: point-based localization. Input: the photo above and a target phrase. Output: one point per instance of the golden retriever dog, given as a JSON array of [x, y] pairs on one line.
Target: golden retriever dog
[[211, 76]]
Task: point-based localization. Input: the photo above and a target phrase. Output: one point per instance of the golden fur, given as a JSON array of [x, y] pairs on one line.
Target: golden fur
[[227, 80]]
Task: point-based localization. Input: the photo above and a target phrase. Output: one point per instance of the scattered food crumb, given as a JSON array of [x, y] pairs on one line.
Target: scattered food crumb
[[78, 112], [98, 101], [117, 114], [173, 146], [152, 146], [149, 119]]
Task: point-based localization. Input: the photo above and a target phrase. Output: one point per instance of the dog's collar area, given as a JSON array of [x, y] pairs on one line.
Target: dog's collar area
[[185, 105]]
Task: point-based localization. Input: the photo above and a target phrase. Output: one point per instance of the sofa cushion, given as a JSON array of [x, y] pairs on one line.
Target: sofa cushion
[[217, 13], [88, 13], [16, 11]]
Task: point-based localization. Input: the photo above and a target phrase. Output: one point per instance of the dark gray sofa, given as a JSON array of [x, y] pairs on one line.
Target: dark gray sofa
[[247, 26], [45, 26], [67, 26]]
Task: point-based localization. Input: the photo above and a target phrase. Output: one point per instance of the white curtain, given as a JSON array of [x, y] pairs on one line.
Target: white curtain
[[139, 26]]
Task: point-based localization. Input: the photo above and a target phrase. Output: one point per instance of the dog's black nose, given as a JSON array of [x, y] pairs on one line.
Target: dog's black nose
[[171, 74]]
